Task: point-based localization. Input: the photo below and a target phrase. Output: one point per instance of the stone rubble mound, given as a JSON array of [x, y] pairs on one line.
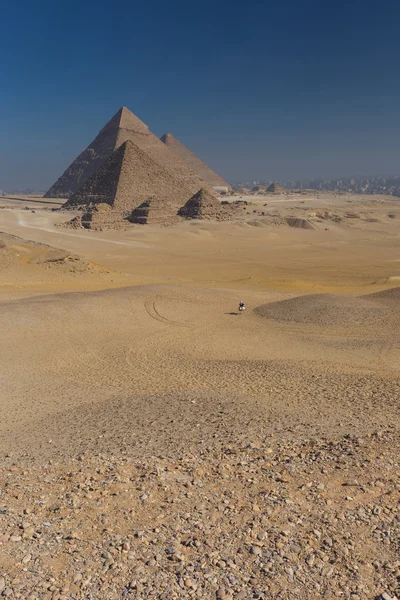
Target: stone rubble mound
[[299, 223]]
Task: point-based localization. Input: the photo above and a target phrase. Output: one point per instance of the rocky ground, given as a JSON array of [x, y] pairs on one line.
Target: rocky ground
[[310, 519]]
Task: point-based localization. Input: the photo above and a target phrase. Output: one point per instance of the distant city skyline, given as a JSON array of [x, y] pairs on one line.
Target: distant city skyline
[[380, 184], [293, 90]]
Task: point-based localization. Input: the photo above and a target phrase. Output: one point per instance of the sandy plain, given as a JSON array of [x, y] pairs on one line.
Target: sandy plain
[[191, 451]]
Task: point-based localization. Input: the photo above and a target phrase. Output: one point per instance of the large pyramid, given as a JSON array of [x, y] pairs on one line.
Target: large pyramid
[[195, 164], [203, 205], [123, 126], [126, 179]]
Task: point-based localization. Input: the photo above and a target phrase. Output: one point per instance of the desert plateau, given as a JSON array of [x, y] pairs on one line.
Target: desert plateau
[[157, 443]]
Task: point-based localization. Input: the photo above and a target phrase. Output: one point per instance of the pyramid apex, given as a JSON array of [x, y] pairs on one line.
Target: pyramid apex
[[125, 119], [130, 121]]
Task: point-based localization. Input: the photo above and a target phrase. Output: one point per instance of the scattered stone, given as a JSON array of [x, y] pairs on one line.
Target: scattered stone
[[125, 527]]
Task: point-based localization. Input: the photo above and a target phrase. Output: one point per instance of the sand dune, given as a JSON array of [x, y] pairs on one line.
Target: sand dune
[[391, 296], [88, 353], [332, 310]]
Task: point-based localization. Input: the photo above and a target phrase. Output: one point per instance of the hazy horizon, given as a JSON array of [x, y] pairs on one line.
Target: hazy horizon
[[279, 92]]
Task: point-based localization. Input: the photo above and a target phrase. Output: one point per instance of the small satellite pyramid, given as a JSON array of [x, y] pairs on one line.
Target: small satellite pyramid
[[204, 205], [128, 178], [275, 188], [195, 164], [155, 211], [122, 127]]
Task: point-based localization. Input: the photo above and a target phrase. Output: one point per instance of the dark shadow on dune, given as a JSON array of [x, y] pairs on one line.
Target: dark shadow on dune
[[232, 313]]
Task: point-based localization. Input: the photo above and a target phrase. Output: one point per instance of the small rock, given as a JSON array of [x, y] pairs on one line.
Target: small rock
[[327, 571], [290, 574], [29, 532]]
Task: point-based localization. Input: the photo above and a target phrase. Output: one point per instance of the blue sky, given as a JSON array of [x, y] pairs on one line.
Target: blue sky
[[258, 89]]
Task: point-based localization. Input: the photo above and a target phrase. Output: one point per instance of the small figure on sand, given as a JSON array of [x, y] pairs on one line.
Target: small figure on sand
[[241, 306]]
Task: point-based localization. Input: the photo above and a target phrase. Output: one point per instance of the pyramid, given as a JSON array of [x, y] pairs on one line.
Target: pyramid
[[99, 217], [195, 164], [204, 205], [128, 178], [122, 127], [103, 216], [258, 189], [155, 211], [275, 188]]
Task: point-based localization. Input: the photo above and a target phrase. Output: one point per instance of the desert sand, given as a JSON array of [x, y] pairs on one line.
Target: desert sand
[[155, 443]]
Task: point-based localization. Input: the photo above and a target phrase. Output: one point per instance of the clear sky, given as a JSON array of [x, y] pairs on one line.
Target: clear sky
[[258, 89]]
